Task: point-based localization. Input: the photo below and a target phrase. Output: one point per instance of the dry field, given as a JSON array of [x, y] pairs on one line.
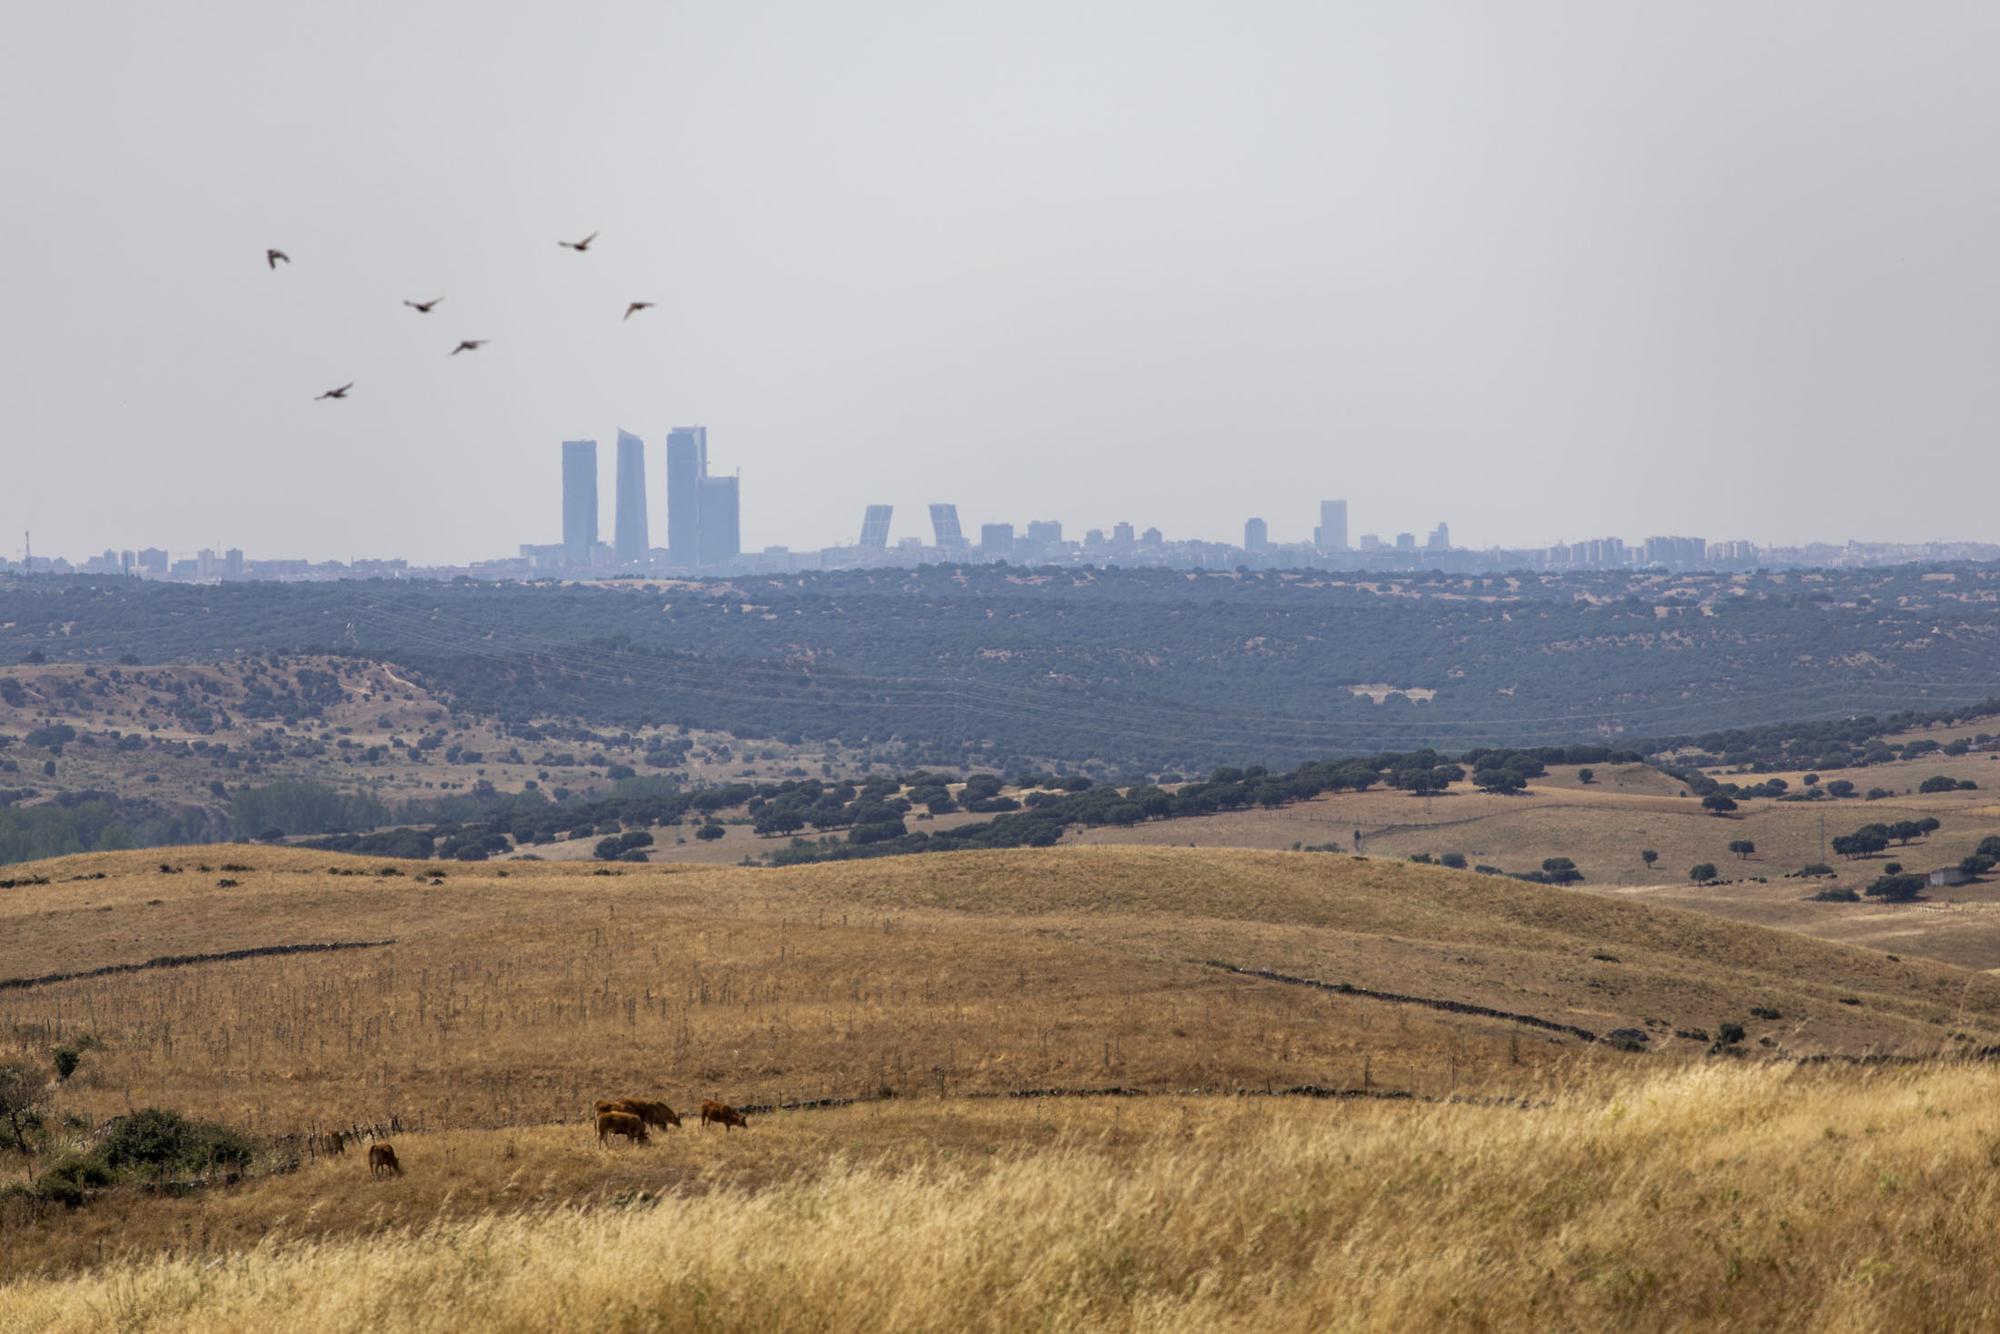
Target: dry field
[[1604, 826], [1729, 1196], [1531, 1172]]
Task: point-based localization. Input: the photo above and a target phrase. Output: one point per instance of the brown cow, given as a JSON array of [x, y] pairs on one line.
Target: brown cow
[[620, 1123], [655, 1114], [382, 1159], [721, 1112]]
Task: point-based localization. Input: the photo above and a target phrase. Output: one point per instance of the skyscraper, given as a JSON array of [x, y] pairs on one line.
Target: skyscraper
[[721, 537], [631, 538], [875, 527], [687, 468], [1256, 535], [579, 474], [996, 540], [944, 524], [1331, 535]]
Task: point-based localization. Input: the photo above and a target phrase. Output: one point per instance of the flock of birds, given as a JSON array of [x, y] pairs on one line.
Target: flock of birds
[[273, 258]]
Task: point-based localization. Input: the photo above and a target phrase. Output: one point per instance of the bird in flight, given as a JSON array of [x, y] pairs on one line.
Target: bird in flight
[[272, 257], [469, 345], [423, 307], [635, 308], [337, 393], [578, 246]]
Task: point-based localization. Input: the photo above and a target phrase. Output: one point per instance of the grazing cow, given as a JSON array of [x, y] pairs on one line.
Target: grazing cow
[[620, 1123], [382, 1159], [655, 1114], [721, 1112]]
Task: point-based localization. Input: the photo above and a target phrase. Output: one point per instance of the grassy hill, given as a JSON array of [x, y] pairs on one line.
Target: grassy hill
[[1716, 1197], [481, 1008]]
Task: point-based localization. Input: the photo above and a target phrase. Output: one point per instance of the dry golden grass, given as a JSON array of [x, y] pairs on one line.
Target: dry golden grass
[[1603, 827], [518, 994], [1729, 1196]]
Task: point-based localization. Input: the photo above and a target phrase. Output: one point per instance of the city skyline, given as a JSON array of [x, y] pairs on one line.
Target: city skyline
[[1380, 252], [704, 537]]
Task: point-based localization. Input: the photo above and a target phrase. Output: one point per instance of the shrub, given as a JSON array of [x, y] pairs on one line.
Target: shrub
[[158, 1139], [1702, 872], [66, 1059], [1728, 1035], [1455, 860], [69, 1178], [708, 833], [1837, 894]]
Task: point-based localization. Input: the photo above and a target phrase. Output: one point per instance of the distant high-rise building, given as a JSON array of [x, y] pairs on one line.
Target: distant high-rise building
[[1045, 532], [721, 537], [1152, 537], [579, 481], [944, 525], [1406, 541], [232, 563], [630, 539], [1370, 542], [153, 560], [1121, 534], [1439, 540], [1256, 535], [687, 467], [1675, 551], [875, 527], [1331, 535], [996, 540]]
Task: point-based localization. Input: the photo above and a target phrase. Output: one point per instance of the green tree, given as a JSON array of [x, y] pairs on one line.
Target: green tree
[[1715, 803], [1649, 857], [22, 1089], [1742, 847], [1896, 888], [1702, 872]]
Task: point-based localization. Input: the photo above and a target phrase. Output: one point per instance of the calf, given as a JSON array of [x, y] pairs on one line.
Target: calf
[[382, 1160], [655, 1114], [723, 1113], [620, 1123]]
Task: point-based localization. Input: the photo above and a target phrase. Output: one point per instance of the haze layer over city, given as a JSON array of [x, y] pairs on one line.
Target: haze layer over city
[[1540, 273]]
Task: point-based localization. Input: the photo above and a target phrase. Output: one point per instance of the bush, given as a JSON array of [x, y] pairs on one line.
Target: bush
[[1702, 872], [157, 1139], [66, 1060], [1455, 860], [69, 1178], [1728, 1035], [708, 833], [1836, 894]]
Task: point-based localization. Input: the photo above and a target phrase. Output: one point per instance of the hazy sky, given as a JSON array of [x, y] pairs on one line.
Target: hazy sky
[[1542, 270]]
